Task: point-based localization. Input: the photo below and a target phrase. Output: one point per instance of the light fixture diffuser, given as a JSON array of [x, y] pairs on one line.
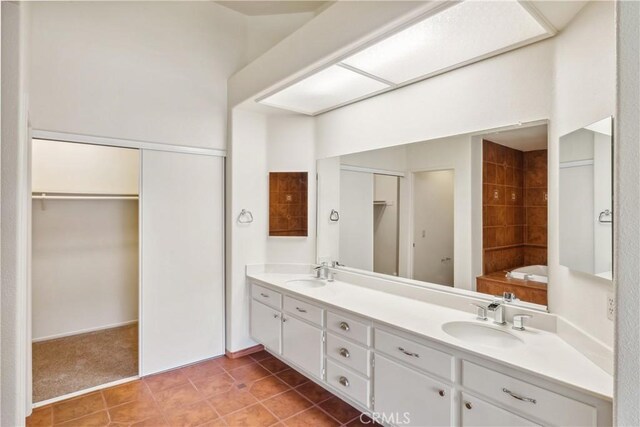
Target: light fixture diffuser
[[459, 34], [325, 89]]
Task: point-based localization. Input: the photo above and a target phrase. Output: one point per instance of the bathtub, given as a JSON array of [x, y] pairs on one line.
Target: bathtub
[[536, 273]]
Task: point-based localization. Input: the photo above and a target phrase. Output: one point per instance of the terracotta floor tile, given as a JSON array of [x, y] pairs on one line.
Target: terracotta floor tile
[[133, 412], [363, 421], [249, 373], [291, 377], [97, 419], [314, 392], [229, 364], [267, 387], [165, 380], [194, 414], [77, 407], [41, 417], [339, 409], [214, 385], [253, 416], [231, 401], [286, 404], [202, 370], [128, 392], [179, 396], [157, 421], [273, 365], [264, 354], [311, 417]]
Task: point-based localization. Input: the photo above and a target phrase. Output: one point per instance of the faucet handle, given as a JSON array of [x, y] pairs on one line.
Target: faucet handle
[[509, 296], [518, 321], [481, 313]]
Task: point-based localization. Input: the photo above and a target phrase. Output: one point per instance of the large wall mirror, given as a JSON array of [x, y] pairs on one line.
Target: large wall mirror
[[586, 215], [467, 212]]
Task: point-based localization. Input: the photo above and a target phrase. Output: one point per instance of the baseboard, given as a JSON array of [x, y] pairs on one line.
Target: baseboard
[[82, 392], [84, 331], [244, 352]]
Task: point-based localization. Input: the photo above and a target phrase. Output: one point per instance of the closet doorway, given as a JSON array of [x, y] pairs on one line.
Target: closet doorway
[[85, 264]]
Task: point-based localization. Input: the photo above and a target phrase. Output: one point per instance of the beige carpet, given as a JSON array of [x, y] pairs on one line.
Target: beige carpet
[[69, 364]]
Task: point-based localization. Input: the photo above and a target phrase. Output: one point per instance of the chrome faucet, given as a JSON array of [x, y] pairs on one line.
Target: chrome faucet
[[497, 307], [323, 272]]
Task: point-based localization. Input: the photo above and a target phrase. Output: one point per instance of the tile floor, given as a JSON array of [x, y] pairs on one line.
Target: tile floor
[[256, 390]]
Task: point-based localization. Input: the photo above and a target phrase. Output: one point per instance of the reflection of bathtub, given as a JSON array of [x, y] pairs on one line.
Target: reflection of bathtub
[[536, 273]]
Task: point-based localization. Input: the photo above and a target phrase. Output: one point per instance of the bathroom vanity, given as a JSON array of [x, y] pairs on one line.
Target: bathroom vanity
[[409, 362]]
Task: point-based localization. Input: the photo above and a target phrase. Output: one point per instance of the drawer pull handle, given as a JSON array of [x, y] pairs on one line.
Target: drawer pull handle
[[515, 396], [468, 405], [441, 393], [344, 326], [264, 295], [344, 353], [408, 353], [301, 310], [344, 381]]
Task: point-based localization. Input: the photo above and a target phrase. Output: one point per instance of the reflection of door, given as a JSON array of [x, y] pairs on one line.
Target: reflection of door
[[356, 219], [433, 227]]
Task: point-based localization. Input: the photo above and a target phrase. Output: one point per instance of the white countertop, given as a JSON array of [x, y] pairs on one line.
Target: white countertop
[[544, 353]]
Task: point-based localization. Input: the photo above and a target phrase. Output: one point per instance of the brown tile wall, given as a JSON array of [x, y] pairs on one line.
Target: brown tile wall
[[288, 203], [514, 207]]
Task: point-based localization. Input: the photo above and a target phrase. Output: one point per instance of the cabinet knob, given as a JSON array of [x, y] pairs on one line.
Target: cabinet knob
[[344, 381], [284, 319], [344, 353], [468, 405], [344, 326], [441, 393], [275, 316]]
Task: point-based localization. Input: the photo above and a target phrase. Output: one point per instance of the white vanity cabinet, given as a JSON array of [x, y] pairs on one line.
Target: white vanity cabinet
[[406, 379], [408, 397], [266, 326], [302, 344], [476, 412]]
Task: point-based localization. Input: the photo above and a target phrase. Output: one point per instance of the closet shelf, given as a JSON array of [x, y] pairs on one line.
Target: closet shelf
[[68, 196]]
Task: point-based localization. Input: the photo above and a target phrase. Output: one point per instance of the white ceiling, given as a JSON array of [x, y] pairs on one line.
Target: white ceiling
[[523, 139], [256, 8]]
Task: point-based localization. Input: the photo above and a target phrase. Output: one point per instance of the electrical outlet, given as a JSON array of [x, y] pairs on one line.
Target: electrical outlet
[[611, 306]]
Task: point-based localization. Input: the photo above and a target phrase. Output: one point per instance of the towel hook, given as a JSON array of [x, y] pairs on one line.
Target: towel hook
[[334, 216], [245, 217]]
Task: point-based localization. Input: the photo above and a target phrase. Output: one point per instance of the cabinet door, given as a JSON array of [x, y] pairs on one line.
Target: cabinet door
[[407, 397], [302, 344], [476, 412], [266, 326]]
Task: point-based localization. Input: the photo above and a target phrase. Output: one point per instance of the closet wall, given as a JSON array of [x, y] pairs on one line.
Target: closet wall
[[85, 252]]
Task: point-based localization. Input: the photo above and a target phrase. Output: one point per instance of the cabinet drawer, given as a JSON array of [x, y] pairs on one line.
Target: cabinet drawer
[[267, 296], [526, 398], [477, 412], [349, 383], [303, 310], [349, 354], [349, 327], [423, 357]]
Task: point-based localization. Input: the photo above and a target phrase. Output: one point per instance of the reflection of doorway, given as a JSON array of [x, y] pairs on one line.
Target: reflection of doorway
[[433, 226]]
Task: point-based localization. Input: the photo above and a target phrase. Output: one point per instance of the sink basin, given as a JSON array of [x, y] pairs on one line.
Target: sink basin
[[486, 335], [307, 283]]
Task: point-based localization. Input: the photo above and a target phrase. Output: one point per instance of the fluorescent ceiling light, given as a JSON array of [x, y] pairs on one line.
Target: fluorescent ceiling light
[[463, 32], [325, 89]]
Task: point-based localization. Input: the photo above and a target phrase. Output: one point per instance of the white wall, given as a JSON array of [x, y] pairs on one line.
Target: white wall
[[385, 224], [61, 167], [148, 71], [626, 210], [84, 266], [584, 82], [265, 31]]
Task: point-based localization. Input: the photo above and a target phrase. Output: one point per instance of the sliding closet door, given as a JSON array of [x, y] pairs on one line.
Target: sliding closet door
[[182, 231]]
